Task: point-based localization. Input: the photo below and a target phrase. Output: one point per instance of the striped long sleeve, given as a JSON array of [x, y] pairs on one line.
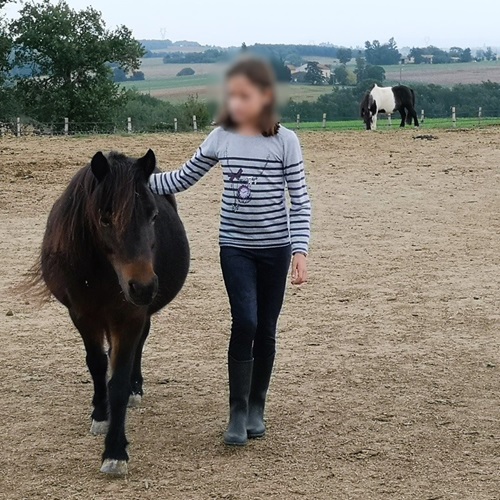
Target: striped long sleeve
[[300, 210], [190, 173]]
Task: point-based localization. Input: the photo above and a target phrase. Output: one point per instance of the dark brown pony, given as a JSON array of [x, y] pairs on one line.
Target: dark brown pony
[[114, 254]]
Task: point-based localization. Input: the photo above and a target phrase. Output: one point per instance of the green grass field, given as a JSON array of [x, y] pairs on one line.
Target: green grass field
[[383, 124], [162, 82], [178, 82]]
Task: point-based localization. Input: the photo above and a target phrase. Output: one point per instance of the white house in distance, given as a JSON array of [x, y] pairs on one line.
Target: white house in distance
[[298, 72]]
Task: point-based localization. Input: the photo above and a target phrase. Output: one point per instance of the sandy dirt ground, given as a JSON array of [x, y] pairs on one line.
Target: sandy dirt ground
[[387, 380]]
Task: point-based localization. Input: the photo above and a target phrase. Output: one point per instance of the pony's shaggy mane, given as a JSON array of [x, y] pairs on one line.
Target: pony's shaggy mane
[[76, 217]]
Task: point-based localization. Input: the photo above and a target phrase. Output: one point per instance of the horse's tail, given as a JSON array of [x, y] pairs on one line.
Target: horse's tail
[[33, 284]]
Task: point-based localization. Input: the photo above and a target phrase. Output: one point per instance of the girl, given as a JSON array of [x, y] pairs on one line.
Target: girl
[[258, 233]]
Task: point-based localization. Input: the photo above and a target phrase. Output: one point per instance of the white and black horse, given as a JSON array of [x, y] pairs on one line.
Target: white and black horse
[[389, 100]]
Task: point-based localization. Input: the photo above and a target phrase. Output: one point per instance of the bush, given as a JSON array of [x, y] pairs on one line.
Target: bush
[[150, 114], [119, 75], [436, 100], [186, 72], [137, 76]]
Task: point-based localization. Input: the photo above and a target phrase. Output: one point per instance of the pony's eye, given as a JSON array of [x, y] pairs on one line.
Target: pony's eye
[[153, 218], [105, 220]]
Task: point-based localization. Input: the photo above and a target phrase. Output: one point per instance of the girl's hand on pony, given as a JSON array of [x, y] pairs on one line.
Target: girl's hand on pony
[[299, 269]]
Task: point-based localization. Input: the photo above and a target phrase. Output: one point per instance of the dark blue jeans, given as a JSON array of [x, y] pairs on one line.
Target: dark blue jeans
[[255, 281]]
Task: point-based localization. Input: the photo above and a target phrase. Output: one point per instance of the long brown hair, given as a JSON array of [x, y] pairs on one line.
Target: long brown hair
[[261, 74]]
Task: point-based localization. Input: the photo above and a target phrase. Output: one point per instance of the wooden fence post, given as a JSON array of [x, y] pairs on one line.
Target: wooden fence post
[[480, 114], [298, 121], [18, 127], [175, 124], [66, 126], [422, 116], [324, 120], [454, 116], [389, 120], [195, 125], [129, 124]]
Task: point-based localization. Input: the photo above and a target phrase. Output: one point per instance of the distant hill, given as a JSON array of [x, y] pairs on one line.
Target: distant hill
[[155, 45]]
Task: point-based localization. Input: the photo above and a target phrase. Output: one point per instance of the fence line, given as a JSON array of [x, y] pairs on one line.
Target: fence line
[[325, 122]]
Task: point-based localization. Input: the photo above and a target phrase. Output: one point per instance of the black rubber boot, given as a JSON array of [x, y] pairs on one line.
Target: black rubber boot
[[262, 369], [240, 380]]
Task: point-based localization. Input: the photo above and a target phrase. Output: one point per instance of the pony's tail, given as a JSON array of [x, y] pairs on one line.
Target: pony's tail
[[33, 285]]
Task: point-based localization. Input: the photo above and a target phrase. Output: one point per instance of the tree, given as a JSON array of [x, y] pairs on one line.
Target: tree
[[456, 52], [119, 75], [341, 75], [194, 107], [314, 75], [70, 53], [294, 59], [7, 102], [344, 55], [439, 56], [488, 54], [137, 76], [382, 54], [186, 72], [360, 69], [244, 47], [466, 55], [281, 70], [374, 73], [5, 45]]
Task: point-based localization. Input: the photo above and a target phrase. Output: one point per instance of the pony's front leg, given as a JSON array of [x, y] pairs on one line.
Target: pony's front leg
[[374, 122], [97, 362], [124, 343], [136, 381]]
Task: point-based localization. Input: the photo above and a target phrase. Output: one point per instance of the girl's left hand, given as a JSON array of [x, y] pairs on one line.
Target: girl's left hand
[[299, 269]]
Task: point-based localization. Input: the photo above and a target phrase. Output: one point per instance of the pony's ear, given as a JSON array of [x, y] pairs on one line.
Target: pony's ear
[[99, 166], [147, 163]]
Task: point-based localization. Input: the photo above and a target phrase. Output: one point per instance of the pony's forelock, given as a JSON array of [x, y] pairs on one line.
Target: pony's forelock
[[76, 216]]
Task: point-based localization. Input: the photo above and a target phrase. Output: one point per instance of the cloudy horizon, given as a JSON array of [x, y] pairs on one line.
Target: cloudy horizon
[[350, 24]]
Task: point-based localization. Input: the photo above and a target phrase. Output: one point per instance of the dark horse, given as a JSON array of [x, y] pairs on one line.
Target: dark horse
[[114, 254], [389, 100]]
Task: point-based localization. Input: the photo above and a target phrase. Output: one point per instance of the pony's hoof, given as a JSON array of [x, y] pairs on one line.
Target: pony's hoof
[[98, 428], [114, 467], [134, 400]]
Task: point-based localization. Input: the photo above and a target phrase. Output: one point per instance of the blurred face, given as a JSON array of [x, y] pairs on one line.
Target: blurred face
[[245, 100]]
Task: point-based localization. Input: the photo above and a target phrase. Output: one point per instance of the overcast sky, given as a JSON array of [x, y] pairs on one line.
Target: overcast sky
[[229, 22]]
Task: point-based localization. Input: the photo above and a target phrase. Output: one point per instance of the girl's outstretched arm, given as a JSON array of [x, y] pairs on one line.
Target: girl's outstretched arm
[[190, 173]]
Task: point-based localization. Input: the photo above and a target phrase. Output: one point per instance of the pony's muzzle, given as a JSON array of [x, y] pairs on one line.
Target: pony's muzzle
[[142, 294]]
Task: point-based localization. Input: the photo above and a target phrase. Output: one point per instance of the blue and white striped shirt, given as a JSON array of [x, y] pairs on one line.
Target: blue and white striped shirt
[[257, 171]]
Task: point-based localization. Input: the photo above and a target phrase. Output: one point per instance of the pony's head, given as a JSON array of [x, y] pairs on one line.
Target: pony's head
[[368, 110], [121, 213]]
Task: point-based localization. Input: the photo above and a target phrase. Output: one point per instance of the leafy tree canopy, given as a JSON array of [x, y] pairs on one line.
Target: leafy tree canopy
[[382, 53], [70, 52], [344, 55], [281, 70], [314, 75], [440, 56], [341, 75]]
